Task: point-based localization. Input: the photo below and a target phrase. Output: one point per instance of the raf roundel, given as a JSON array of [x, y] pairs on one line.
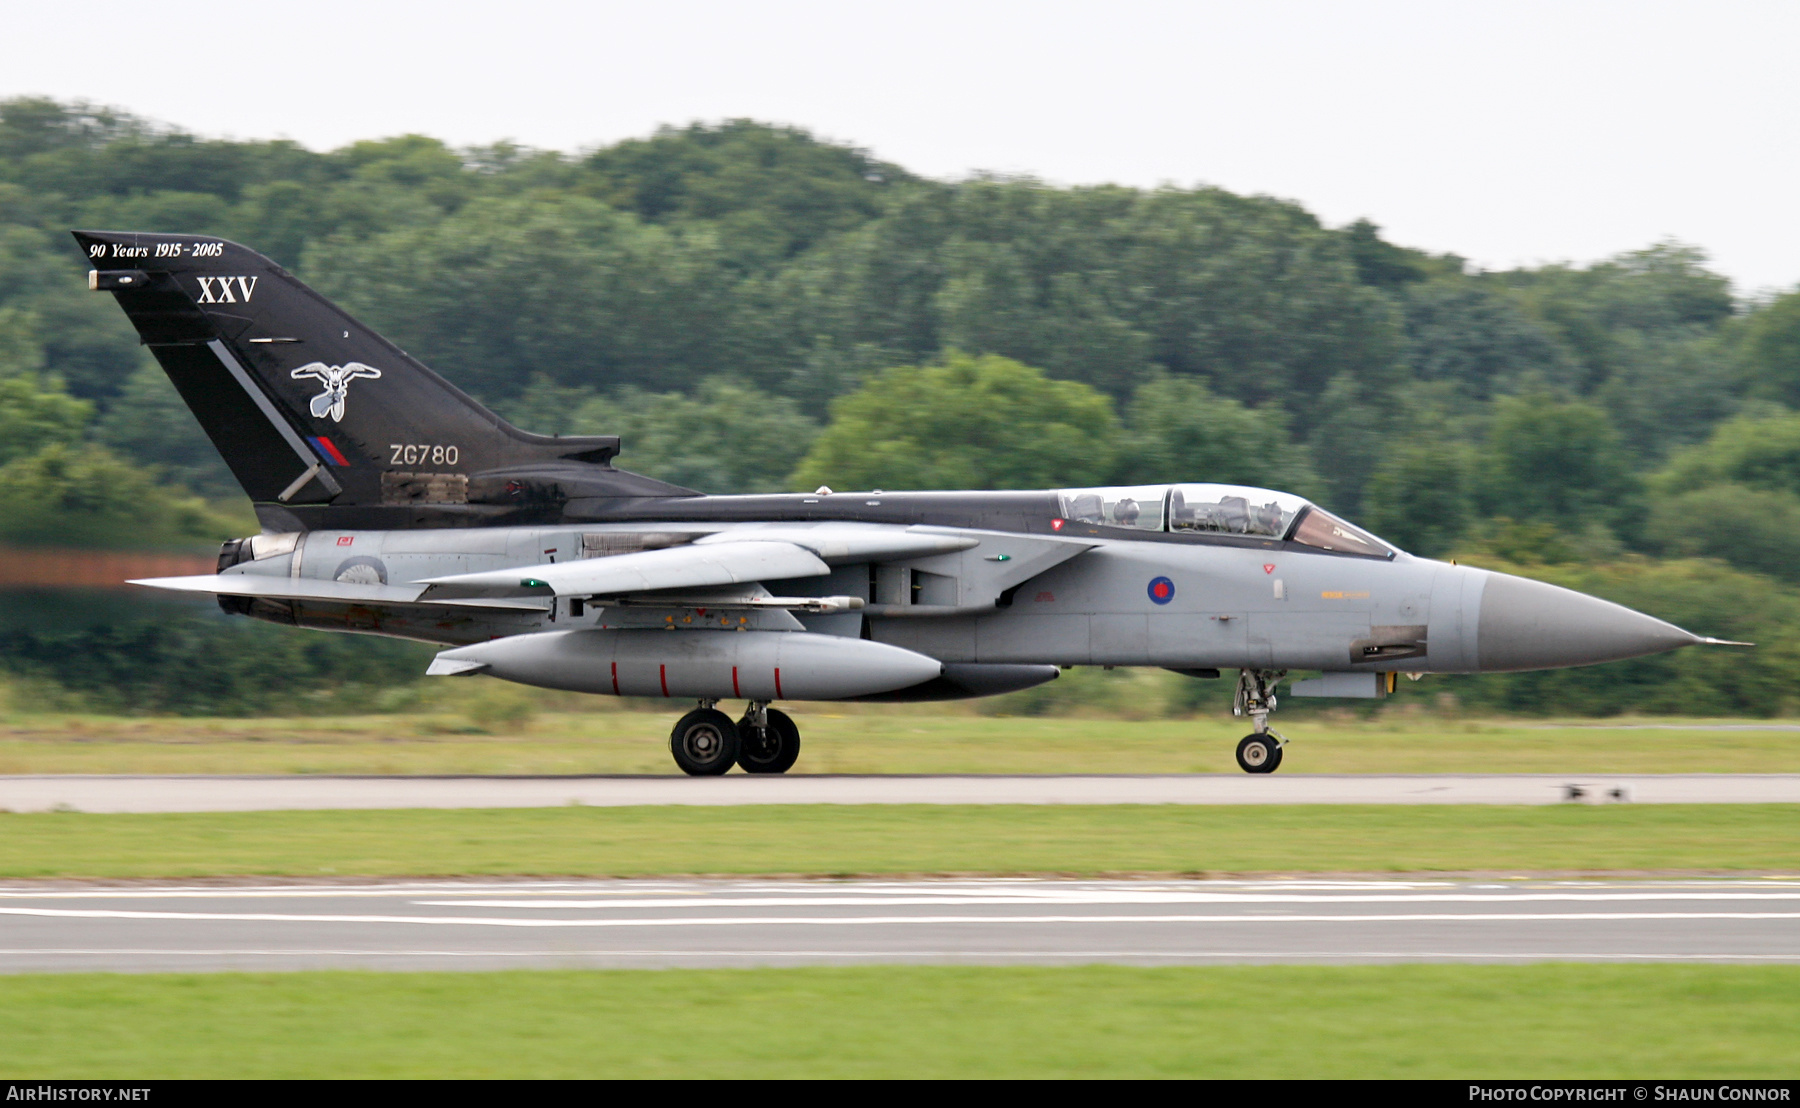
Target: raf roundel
[[1162, 590]]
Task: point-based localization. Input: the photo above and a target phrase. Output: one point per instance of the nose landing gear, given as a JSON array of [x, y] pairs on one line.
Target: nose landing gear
[[1260, 751]]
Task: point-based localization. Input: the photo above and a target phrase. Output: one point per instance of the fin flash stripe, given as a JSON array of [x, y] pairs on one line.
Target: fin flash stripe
[[328, 450]]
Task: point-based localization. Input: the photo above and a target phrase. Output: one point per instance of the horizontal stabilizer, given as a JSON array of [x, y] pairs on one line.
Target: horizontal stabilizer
[[680, 567], [303, 588]]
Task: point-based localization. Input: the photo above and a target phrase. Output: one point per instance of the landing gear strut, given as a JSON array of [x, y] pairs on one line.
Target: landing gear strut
[[771, 742], [1259, 752]]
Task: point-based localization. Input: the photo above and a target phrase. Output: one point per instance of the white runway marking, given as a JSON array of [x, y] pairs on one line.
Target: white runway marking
[[1005, 890], [866, 955], [262, 892], [1094, 898], [696, 922], [828, 921]]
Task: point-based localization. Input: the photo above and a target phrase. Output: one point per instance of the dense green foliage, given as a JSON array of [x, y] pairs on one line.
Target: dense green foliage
[[1711, 599], [136, 655], [753, 308], [723, 435], [971, 423], [87, 496]]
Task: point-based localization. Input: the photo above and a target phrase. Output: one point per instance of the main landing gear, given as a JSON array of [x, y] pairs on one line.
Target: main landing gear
[[1260, 751], [706, 743], [771, 741]]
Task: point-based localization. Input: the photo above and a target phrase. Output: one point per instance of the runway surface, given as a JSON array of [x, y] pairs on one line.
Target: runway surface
[[484, 925], [248, 794]]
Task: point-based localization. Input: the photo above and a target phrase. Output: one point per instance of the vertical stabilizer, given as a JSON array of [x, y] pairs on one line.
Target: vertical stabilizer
[[308, 406]]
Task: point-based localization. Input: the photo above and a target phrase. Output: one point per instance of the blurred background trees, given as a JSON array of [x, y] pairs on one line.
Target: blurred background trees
[[753, 308]]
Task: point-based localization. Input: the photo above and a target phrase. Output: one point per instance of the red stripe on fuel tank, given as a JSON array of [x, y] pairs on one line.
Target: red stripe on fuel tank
[[734, 688], [662, 672], [778, 695], [615, 679]]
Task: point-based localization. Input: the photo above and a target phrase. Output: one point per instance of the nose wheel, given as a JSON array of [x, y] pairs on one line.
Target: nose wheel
[[1259, 754]]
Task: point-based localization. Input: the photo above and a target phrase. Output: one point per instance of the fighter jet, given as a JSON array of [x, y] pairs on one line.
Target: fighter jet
[[392, 503]]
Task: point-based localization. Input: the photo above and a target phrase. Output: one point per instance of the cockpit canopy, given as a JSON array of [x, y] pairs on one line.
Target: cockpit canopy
[[1219, 510]]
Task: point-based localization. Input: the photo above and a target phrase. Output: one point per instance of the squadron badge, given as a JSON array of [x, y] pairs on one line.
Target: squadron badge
[[336, 379]]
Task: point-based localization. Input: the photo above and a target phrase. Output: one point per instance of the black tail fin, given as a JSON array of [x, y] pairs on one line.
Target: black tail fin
[[312, 409]]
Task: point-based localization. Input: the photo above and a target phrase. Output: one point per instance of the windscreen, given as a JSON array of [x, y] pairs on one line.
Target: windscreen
[[1232, 510], [1139, 506], [1328, 532]]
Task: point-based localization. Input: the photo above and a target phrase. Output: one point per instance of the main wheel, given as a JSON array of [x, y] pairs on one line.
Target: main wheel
[[770, 749], [705, 743], [1258, 754]]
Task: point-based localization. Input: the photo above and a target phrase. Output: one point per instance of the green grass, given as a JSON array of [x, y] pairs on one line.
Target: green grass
[[829, 839], [1545, 1021], [910, 740]]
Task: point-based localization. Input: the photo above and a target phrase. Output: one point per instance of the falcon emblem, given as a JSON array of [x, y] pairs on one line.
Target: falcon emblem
[[336, 379]]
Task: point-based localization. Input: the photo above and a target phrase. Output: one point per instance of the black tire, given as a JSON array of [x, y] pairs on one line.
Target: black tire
[[771, 749], [1258, 754], [705, 743]]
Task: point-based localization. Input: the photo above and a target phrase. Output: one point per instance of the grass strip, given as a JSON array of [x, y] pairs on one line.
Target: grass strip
[[1542, 1021], [894, 742], [868, 839]]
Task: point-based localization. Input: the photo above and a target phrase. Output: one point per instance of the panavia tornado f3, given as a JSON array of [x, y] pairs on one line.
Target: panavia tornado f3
[[392, 503]]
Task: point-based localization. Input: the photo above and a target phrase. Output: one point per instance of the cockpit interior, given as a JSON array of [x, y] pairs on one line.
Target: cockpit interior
[[1220, 510]]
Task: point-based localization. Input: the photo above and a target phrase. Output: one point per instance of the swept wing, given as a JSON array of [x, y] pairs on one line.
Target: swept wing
[[304, 588], [679, 567]]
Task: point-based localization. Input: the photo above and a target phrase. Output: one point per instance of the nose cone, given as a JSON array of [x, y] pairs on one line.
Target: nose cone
[[1530, 625]]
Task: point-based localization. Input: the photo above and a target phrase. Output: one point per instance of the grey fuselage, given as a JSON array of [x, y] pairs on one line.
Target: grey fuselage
[[1061, 593]]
